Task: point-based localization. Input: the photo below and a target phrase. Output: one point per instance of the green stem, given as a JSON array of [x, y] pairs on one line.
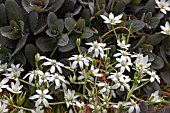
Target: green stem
[[21, 108], [27, 82], [114, 32], [57, 103], [141, 85], [53, 51]]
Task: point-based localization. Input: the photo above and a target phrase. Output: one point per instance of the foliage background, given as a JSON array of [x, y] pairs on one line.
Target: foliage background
[[51, 27]]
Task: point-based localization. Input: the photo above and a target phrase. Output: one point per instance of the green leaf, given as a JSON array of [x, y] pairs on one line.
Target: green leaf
[[54, 5], [6, 31], [14, 11], [119, 7], [150, 6], [166, 76], [154, 22], [3, 19], [151, 87], [21, 43], [158, 63], [27, 6], [33, 20], [126, 1], [60, 25], [154, 39], [87, 33], [42, 23], [46, 44], [51, 19], [30, 52], [71, 45], [20, 58], [8, 42], [63, 40], [135, 2], [80, 23], [137, 24], [70, 23]]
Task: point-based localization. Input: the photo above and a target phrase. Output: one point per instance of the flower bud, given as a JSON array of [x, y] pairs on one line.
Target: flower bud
[[21, 99], [78, 42]]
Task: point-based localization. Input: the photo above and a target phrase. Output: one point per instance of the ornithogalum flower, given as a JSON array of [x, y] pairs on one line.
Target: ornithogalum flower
[[42, 97], [112, 19], [79, 60], [15, 88], [166, 29], [163, 5]]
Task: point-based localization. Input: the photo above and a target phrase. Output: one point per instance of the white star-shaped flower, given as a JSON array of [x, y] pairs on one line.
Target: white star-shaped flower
[[123, 44], [79, 60], [166, 29], [15, 88], [113, 20], [123, 64], [153, 76], [42, 97], [54, 64], [97, 49], [163, 5]]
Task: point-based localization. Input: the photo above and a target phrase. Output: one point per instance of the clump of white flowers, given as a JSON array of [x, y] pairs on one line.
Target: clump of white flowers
[[95, 81], [164, 5]]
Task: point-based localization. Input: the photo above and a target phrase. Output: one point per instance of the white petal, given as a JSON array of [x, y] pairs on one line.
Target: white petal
[[105, 18], [45, 102], [118, 17], [45, 91], [39, 92], [34, 97], [38, 102], [48, 97], [52, 70], [131, 109]]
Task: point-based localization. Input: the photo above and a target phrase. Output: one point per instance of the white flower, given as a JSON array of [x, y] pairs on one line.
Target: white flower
[[163, 5], [124, 54], [123, 64], [166, 29], [42, 97], [155, 97], [15, 68], [97, 48], [54, 64], [44, 78], [14, 72], [106, 89], [84, 75], [3, 67], [3, 107], [112, 19], [123, 44], [95, 72], [15, 88], [133, 107], [79, 60], [142, 63], [38, 57], [153, 76], [80, 105], [59, 80], [38, 110], [33, 74], [70, 97], [2, 84], [122, 83]]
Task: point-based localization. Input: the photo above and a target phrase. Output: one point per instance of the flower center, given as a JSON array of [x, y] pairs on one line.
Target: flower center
[[42, 95], [15, 88], [78, 58], [123, 63], [95, 45], [112, 19], [168, 30], [162, 5], [141, 65]]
